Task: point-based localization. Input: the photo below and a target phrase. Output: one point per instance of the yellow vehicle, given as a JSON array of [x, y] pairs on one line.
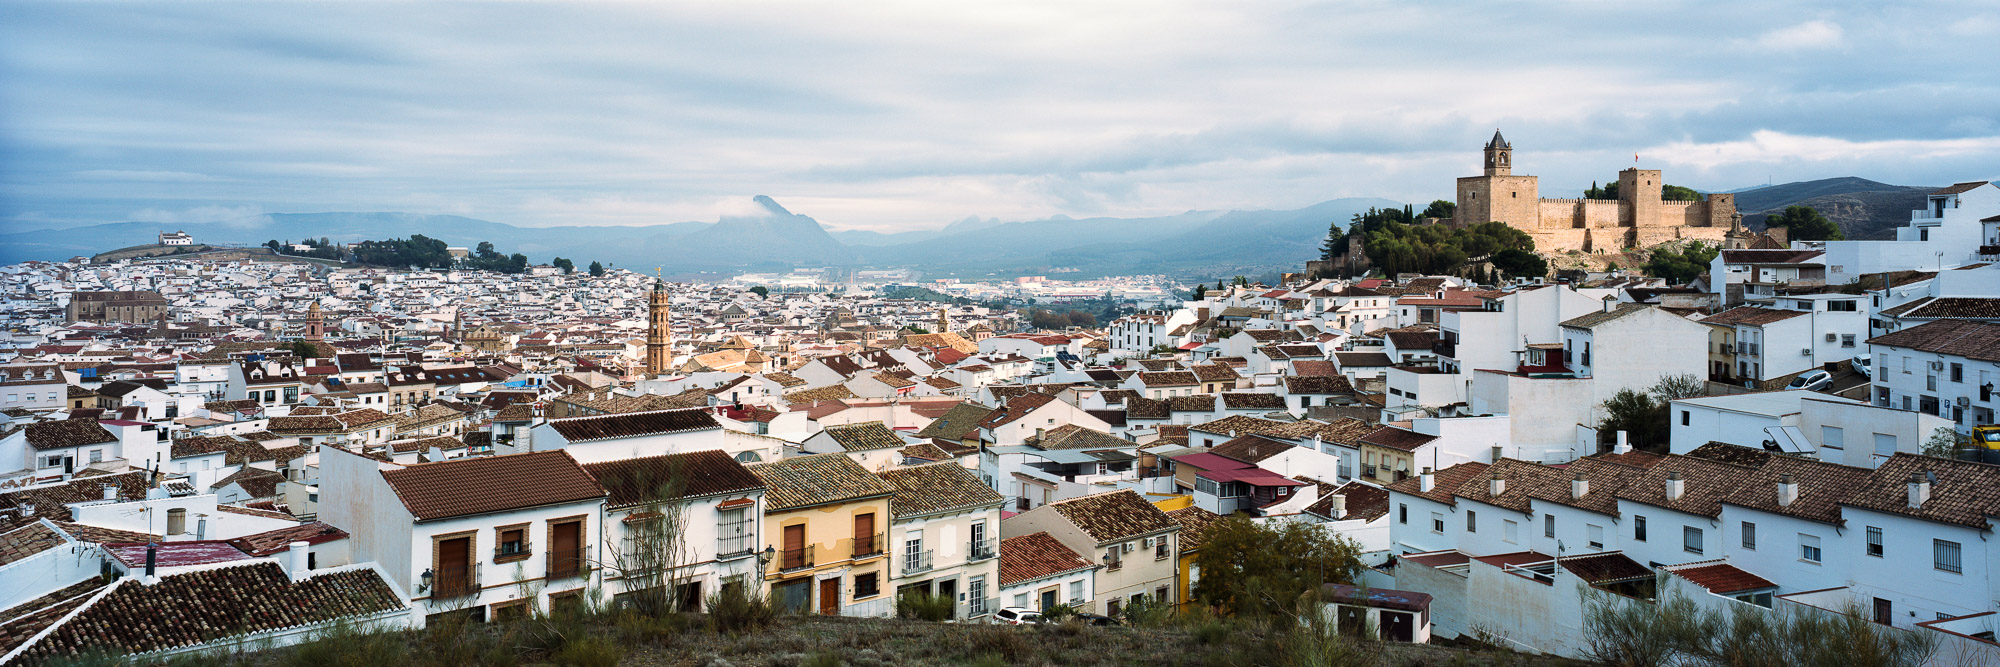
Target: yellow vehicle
[[1987, 437]]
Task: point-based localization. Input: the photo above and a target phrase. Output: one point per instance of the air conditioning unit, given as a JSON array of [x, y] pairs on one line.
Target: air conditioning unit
[[1128, 547], [1146, 543], [1964, 401], [1937, 365], [1805, 352], [1830, 337]]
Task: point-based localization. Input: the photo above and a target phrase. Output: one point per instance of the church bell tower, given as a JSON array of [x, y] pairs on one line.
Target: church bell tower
[[659, 332], [1499, 156]]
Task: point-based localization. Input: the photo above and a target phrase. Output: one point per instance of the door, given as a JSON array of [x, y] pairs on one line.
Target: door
[[948, 589], [829, 597], [566, 544], [795, 596], [1048, 599], [454, 575], [1399, 626], [1883, 613], [795, 548]]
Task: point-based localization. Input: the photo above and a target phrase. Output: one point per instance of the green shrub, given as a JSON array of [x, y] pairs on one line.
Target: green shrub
[[348, 645], [1004, 641], [823, 659], [736, 610], [1059, 613], [589, 651], [925, 607]]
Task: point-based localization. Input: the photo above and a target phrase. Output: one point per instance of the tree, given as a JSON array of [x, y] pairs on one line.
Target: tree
[[1805, 224], [1678, 193], [1520, 263], [1635, 632], [1253, 569], [1945, 442], [1336, 242], [1683, 266], [568, 267], [1440, 209], [1200, 292], [655, 556], [761, 291], [485, 251], [518, 263], [304, 349], [1645, 416], [596, 269]]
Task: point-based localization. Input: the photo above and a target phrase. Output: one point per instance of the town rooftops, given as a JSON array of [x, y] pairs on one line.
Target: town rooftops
[[1769, 256], [1397, 438], [488, 484], [1602, 317], [1036, 556], [280, 540], [1704, 483], [1114, 516], [1956, 188], [1195, 523], [1962, 492], [1720, 578], [1072, 436], [937, 487], [1446, 481], [633, 424], [820, 479], [1959, 338], [686, 475], [67, 433], [1751, 316], [864, 436]]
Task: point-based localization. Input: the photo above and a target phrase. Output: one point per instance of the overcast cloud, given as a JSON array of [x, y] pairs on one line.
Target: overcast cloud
[[895, 116]]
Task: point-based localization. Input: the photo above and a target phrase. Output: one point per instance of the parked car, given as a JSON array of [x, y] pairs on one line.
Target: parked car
[[1016, 616], [1865, 365], [1812, 380], [1096, 619]]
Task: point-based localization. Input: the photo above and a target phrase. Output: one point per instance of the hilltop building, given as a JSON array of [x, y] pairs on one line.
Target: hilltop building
[[115, 307], [1638, 218]]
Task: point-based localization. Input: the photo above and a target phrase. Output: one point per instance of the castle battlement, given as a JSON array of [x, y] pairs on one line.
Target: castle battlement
[[1559, 224]]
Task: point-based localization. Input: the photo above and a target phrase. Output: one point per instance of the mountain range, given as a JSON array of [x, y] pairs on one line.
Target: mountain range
[[771, 238]]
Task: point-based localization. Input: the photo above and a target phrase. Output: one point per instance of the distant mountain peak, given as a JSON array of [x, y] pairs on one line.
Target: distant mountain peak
[[771, 205]]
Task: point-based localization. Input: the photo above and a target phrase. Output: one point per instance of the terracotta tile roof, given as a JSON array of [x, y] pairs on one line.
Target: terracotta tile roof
[[1167, 378], [1016, 408], [1214, 372], [1956, 188], [1822, 487], [1113, 516], [864, 436], [28, 540], [421, 445], [1243, 424], [820, 479], [193, 608], [51, 501], [827, 393], [937, 487], [1365, 502], [646, 480], [1446, 481], [1721, 578], [1248, 401], [1959, 338], [1314, 368], [1363, 359], [1146, 408], [1034, 556], [1195, 523], [956, 423], [1964, 493], [486, 484], [925, 451], [1397, 438], [1198, 403], [1525, 481], [1705, 483], [280, 540], [67, 433], [1751, 315], [1071, 436], [257, 482], [86, 533], [1318, 384], [1602, 317], [1251, 449], [1597, 569], [1728, 453], [25, 620], [631, 424]]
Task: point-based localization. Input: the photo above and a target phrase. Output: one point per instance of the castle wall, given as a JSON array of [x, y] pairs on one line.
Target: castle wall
[[1640, 218], [1721, 210], [1508, 199], [1603, 213], [1641, 188]]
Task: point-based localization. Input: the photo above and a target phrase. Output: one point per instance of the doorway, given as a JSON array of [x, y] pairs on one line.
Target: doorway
[[1399, 626], [829, 597], [948, 589]]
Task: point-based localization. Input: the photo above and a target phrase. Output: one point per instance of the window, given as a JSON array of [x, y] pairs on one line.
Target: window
[[1957, 372], [1114, 558], [1885, 444], [1638, 528], [1595, 534], [1205, 485], [1403, 513], [1691, 539], [1875, 541], [97, 456], [1944, 556], [868, 585], [177, 521], [733, 527], [1846, 306], [1471, 521], [1684, 417], [1847, 340], [1548, 525], [1832, 437], [1749, 536], [511, 541], [1160, 548], [1510, 531], [1809, 548], [1437, 523], [976, 591], [1076, 590]]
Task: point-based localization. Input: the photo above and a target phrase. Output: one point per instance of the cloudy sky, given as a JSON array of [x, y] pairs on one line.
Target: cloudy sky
[[892, 116]]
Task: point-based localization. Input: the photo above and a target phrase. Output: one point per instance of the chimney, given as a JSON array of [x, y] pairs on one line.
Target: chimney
[[201, 528], [1498, 453], [1038, 434], [1578, 486], [1788, 490], [1622, 447], [1426, 481], [1610, 304], [152, 560], [299, 555], [1498, 485], [1339, 506], [1676, 487], [1920, 490]]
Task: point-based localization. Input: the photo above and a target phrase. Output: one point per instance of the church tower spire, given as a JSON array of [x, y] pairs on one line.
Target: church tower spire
[[1499, 156], [944, 324], [659, 329], [315, 324]]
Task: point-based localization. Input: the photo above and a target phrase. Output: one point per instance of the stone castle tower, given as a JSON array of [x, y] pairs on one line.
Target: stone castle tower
[[315, 323], [1640, 217], [659, 331]]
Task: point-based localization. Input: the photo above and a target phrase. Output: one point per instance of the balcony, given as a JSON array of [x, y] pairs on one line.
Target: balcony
[[569, 564], [508, 552], [455, 582], [1445, 349], [917, 562], [982, 549], [793, 558], [868, 546], [977, 607]]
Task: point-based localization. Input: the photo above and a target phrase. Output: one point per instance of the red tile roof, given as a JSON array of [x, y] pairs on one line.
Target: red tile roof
[[482, 485], [1034, 556], [1723, 578]]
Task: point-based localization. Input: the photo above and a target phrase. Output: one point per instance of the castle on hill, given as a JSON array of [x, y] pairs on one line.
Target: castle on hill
[[1638, 218]]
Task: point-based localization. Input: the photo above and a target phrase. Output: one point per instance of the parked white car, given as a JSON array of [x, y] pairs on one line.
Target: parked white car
[[1865, 365], [1812, 380], [1017, 616]]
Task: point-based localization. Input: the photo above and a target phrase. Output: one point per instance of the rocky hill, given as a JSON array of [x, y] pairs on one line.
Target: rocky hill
[[1864, 209]]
